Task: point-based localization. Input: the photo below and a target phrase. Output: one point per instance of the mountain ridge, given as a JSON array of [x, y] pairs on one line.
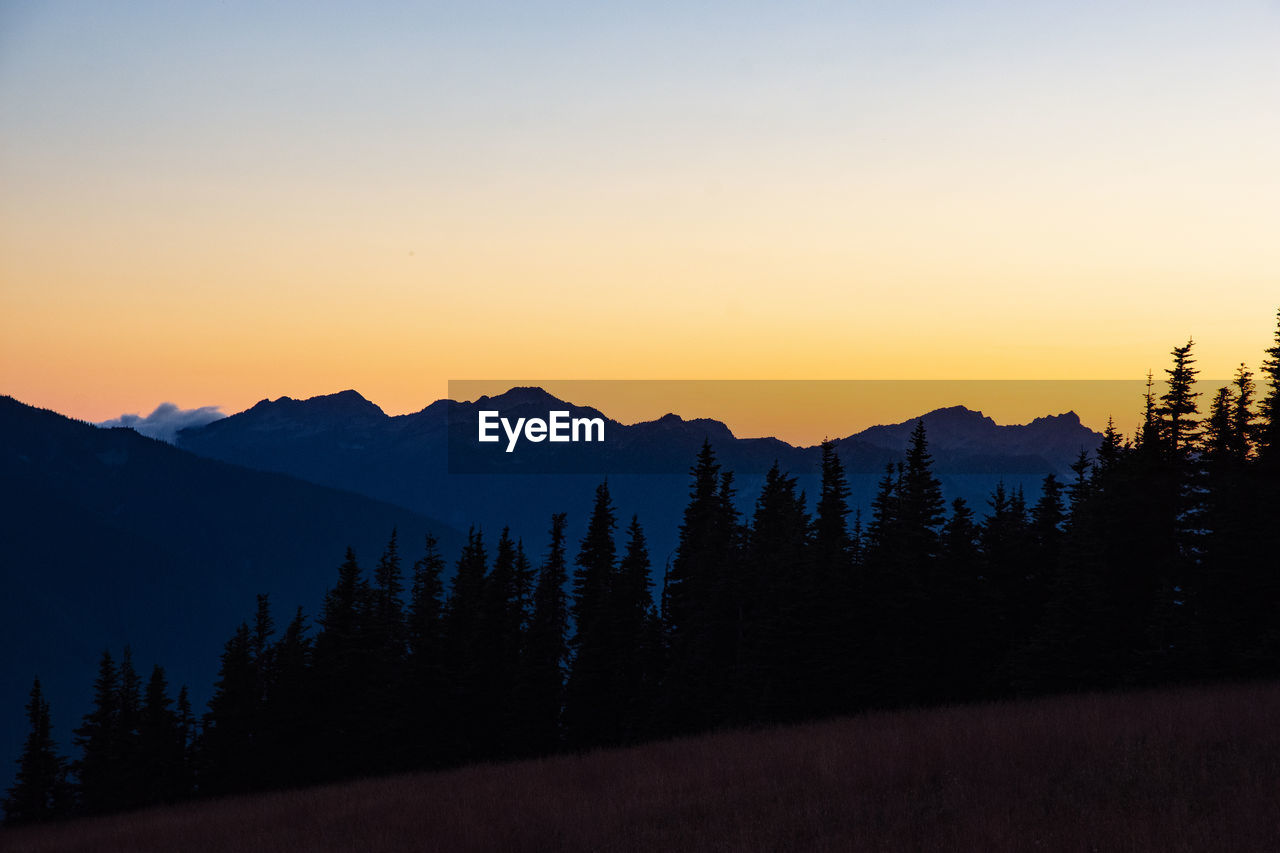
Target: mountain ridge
[[350, 402], [114, 538]]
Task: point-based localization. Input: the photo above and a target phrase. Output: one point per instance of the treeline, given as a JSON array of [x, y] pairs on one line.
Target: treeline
[[1156, 562]]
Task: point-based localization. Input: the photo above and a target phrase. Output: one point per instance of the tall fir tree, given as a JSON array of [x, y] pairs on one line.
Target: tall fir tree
[[498, 647], [98, 768], [161, 754], [1269, 406], [387, 648], [129, 781], [790, 659], [40, 791], [463, 622], [230, 743], [701, 607], [546, 652], [427, 689], [290, 724], [633, 634], [1178, 409], [590, 715]]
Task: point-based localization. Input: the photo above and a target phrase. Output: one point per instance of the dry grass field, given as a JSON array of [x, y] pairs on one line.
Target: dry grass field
[[1193, 769]]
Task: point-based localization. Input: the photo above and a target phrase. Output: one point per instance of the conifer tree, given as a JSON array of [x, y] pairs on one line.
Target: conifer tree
[[1221, 444], [387, 608], [921, 504], [1269, 405], [1243, 416], [161, 753], [129, 782], [1047, 517], [1178, 409], [462, 626], [40, 791], [590, 711], [498, 647], [231, 739], [916, 627], [546, 652], [833, 548], [1003, 537], [341, 621], [687, 583], [961, 608], [344, 669], [791, 660], [387, 647], [595, 564], [98, 769], [1080, 488], [427, 689], [290, 726], [633, 629], [882, 531], [701, 609], [426, 607]]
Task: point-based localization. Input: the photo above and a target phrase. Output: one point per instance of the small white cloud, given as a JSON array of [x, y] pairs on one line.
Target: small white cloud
[[165, 422]]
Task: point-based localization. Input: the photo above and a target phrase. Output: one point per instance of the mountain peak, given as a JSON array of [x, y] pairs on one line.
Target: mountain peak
[[342, 404], [338, 409], [1063, 419], [525, 395], [957, 415]]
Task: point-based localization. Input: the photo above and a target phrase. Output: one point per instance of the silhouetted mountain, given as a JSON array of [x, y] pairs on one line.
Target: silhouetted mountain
[[962, 439], [113, 538], [429, 461]]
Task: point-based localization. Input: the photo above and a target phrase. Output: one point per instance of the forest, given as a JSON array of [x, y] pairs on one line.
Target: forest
[[1154, 564]]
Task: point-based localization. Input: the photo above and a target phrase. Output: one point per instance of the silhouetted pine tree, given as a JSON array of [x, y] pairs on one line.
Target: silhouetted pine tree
[[546, 652], [701, 608], [833, 547], [343, 669], [498, 648], [427, 691], [1178, 410], [462, 626], [881, 532], [161, 754], [590, 713], [40, 790], [790, 666], [1259, 551], [1269, 406], [1004, 549], [901, 567], [290, 726], [129, 781], [827, 607], [386, 639], [634, 635], [880, 585], [99, 768], [1176, 490], [229, 744], [962, 608]]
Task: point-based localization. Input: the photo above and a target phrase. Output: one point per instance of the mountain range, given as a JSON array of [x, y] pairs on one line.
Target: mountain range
[[429, 461], [111, 538], [114, 538]]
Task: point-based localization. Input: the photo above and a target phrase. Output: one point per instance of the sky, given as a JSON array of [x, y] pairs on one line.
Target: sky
[[214, 203]]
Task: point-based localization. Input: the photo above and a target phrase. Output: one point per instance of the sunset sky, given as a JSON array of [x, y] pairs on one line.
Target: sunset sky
[[213, 203]]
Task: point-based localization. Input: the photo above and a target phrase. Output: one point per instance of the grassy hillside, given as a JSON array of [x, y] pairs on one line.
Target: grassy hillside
[[1192, 769]]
